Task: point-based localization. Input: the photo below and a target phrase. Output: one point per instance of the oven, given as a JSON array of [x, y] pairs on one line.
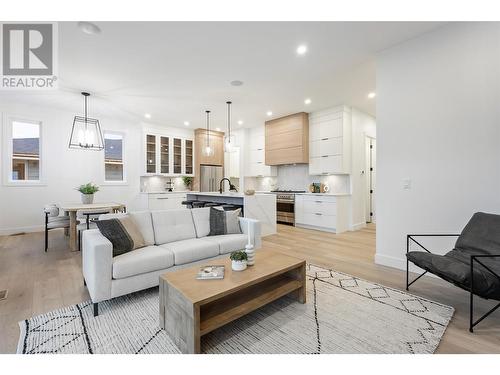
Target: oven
[[285, 208]]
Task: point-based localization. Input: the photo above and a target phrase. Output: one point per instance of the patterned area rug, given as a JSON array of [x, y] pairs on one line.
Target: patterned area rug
[[343, 314]]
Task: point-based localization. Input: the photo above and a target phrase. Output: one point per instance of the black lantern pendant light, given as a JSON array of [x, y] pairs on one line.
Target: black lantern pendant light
[[207, 150], [229, 139], [86, 133]]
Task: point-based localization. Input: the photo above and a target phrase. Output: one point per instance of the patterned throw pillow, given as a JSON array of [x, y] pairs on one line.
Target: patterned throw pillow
[[224, 222], [122, 233]]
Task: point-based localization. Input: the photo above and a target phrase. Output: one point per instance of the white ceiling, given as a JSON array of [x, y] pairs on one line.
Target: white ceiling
[[177, 70]]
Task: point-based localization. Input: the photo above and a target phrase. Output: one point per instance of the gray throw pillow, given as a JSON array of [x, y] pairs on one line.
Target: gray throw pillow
[[122, 233], [224, 222]]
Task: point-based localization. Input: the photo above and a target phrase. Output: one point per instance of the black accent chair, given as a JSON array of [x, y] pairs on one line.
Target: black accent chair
[[473, 265]]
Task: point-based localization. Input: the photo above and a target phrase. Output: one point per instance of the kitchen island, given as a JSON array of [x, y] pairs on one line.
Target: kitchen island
[[260, 206]]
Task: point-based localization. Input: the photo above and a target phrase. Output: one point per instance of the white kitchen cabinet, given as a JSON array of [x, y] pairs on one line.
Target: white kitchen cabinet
[[167, 155], [255, 165], [323, 212], [330, 141], [166, 201]]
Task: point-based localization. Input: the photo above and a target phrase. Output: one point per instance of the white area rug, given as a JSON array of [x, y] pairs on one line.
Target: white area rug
[[343, 314]]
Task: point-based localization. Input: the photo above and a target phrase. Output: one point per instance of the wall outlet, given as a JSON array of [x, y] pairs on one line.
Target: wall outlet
[[406, 183]]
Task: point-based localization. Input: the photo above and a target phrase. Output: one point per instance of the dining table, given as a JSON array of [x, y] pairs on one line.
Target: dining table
[[71, 209]]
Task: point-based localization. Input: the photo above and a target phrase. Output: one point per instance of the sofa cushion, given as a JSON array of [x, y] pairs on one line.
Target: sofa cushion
[[229, 242], [173, 225], [191, 250], [122, 233], [201, 218], [143, 260]]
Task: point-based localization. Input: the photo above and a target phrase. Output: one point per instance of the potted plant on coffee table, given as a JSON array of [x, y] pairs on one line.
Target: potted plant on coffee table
[[88, 191], [238, 260]]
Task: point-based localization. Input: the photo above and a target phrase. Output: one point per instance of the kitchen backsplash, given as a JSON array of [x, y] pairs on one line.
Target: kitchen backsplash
[[159, 183], [296, 177]]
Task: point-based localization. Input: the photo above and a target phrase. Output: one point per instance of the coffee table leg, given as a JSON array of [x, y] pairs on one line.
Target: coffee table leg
[[180, 318], [300, 274]]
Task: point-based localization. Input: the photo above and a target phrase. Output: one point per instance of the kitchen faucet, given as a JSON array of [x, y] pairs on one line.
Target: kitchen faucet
[[231, 186]]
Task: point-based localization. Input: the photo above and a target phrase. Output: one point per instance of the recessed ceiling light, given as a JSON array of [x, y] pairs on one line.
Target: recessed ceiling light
[[307, 101], [147, 115], [236, 83], [186, 123], [240, 122], [218, 129], [302, 49], [372, 95], [269, 113], [89, 28]]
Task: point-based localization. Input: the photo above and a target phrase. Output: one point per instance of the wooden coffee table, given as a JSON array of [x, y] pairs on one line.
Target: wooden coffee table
[[191, 308]]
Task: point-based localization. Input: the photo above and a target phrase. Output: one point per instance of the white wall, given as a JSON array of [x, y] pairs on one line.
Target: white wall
[[64, 169], [363, 125], [438, 113]]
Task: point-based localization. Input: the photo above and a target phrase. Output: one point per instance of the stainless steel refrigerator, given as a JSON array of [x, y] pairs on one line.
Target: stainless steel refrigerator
[[210, 177]]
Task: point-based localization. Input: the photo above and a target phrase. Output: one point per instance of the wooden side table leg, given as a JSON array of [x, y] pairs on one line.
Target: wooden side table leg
[[72, 231]]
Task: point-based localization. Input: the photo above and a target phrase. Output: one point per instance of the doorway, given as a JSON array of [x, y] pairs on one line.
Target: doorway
[[371, 154]]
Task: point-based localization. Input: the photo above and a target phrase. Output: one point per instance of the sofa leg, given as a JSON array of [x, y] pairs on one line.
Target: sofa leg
[[84, 282], [96, 309]]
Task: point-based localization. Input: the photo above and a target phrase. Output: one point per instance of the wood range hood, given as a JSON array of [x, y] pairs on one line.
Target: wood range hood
[[287, 140]]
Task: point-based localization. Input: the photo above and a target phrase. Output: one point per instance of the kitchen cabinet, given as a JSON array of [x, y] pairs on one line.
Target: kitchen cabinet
[[330, 141], [287, 140], [164, 155], [256, 163], [323, 212], [216, 140], [166, 201]]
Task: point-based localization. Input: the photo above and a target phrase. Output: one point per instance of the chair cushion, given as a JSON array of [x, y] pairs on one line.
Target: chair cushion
[[201, 219], [191, 250], [173, 225], [58, 224], [143, 260], [229, 242]]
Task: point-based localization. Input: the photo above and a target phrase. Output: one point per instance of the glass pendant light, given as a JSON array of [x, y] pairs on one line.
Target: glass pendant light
[[86, 133], [228, 138], [207, 150]]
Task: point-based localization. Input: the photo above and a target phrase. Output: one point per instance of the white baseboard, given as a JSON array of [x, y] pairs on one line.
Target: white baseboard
[[358, 226], [399, 263], [9, 231]]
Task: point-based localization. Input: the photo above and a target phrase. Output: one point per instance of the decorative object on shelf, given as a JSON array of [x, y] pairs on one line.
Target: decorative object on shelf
[[315, 187], [249, 250], [228, 138], [238, 260], [326, 188], [249, 192], [207, 150], [88, 190], [86, 132], [187, 181]]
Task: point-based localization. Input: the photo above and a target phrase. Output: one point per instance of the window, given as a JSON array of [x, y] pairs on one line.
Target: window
[[25, 143], [114, 170]]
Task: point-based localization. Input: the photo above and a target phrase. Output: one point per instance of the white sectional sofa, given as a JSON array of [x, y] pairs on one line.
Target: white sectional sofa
[[174, 239]]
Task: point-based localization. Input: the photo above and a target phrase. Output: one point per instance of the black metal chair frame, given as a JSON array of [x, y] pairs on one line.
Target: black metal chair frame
[[473, 258], [47, 231]]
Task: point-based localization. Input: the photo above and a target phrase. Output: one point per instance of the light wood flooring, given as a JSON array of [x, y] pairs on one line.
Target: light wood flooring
[[39, 282]]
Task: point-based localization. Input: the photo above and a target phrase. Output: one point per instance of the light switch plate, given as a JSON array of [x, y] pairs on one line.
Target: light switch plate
[[406, 183]]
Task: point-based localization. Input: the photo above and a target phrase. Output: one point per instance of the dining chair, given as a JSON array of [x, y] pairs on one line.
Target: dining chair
[[53, 221]]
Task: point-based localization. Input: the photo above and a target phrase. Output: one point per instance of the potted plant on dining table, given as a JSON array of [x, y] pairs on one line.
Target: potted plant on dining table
[[88, 190]]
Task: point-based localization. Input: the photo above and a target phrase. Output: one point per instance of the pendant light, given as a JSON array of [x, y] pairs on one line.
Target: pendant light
[[86, 132], [207, 150], [228, 138]]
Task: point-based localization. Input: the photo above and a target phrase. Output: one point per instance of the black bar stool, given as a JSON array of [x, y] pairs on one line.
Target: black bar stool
[[212, 204], [189, 203], [198, 204]]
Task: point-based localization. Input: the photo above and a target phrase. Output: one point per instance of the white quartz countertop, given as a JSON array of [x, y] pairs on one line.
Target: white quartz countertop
[[168, 192], [225, 194], [329, 194]]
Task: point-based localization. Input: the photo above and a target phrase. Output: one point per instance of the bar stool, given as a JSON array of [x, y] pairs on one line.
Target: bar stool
[[198, 204], [188, 204], [212, 204]]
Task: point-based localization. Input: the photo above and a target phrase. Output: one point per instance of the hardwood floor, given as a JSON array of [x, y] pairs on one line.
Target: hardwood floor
[[39, 282]]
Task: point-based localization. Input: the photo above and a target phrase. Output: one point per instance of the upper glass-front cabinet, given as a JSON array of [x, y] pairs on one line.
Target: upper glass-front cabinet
[[166, 155], [150, 153]]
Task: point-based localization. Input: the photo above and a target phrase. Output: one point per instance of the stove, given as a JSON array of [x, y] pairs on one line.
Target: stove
[[285, 206]]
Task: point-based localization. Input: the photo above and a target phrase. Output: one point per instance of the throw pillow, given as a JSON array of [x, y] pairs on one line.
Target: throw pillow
[[122, 233], [224, 222]]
